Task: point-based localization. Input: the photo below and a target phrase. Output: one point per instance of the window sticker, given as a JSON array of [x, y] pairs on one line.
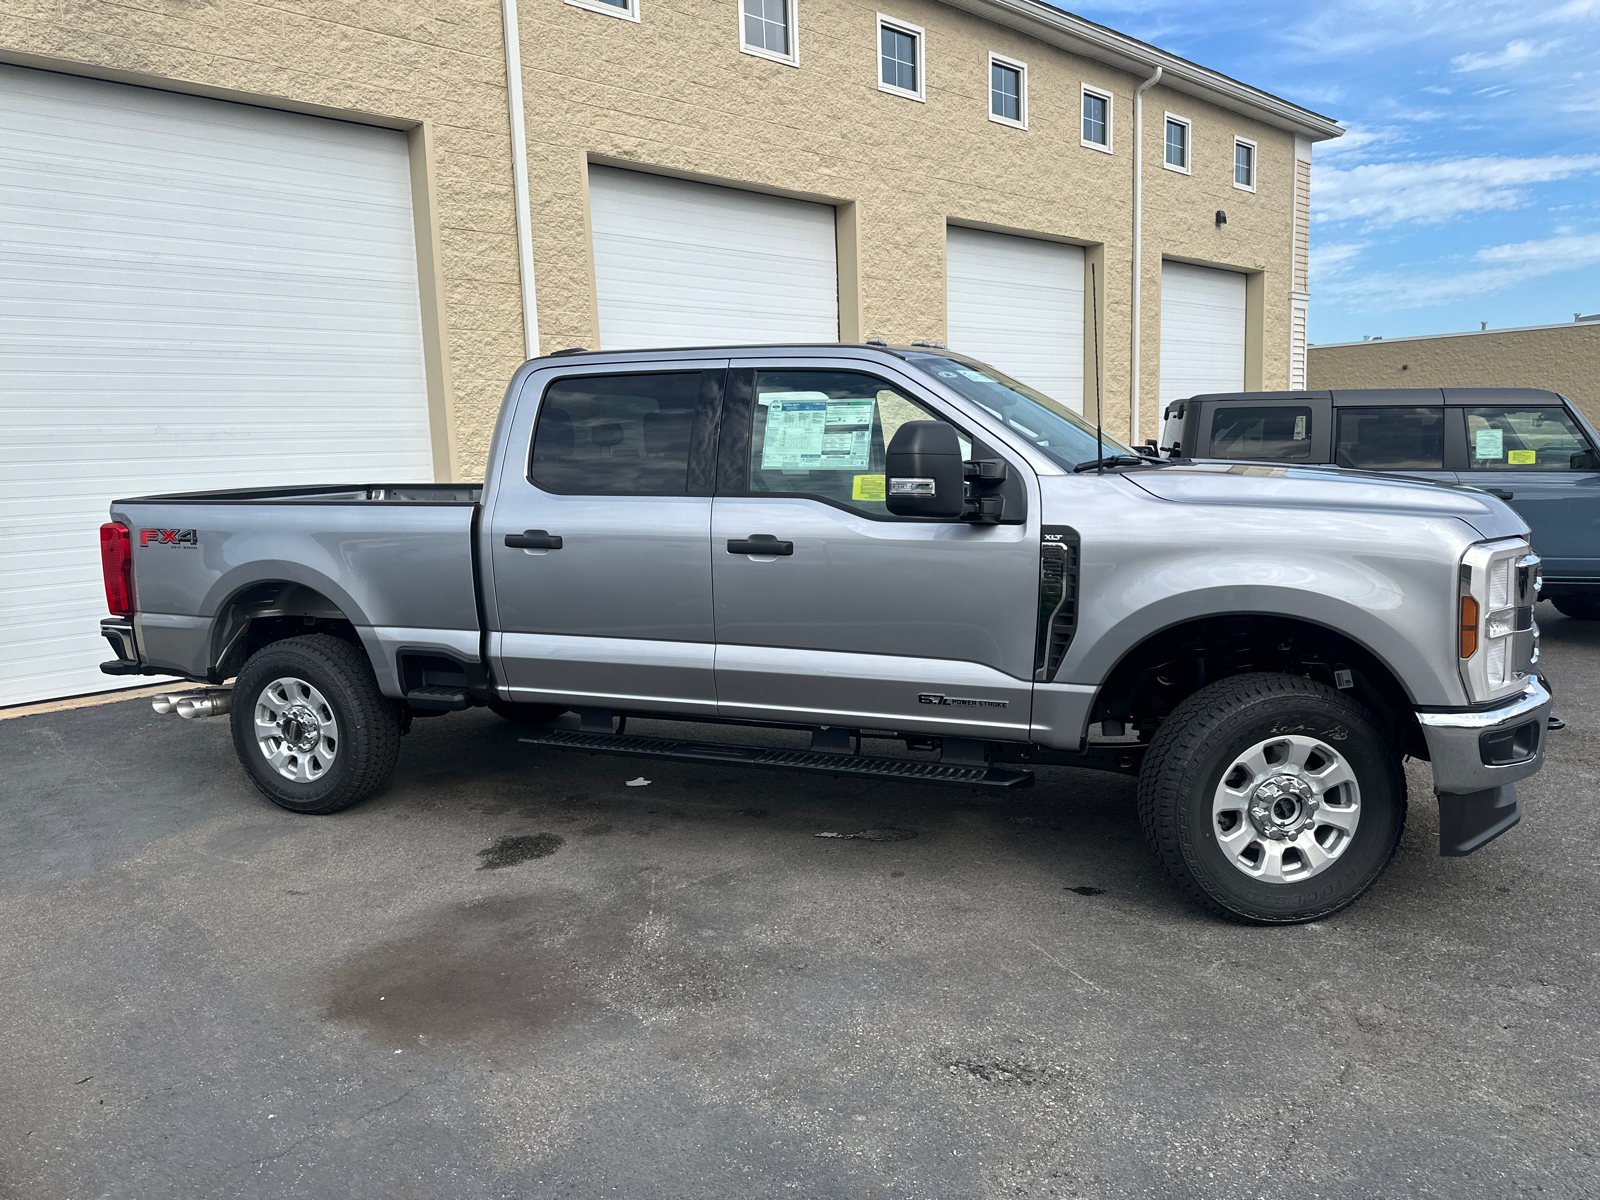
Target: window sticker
[[1300, 428], [793, 440], [976, 376], [1522, 458], [847, 435], [867, 487], [1489, 443]]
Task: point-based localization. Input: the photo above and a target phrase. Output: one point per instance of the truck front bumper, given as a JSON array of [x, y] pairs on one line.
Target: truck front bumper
[[1478, 757]]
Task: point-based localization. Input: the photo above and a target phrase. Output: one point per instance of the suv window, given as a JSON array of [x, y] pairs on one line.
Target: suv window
[[823, 434], [1525, 439], [1279, 433], [616, 435], [1391, 439]]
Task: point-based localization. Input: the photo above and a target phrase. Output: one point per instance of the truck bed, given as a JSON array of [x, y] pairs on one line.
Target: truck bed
[[363, 493]]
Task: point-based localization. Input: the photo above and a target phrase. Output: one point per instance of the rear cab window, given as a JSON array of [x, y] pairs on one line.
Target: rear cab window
[[1526, 438], [1391, 439], [1275, 433], [622, 435]]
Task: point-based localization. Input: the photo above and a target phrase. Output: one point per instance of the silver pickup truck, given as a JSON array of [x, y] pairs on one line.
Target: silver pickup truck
[[941, 574]]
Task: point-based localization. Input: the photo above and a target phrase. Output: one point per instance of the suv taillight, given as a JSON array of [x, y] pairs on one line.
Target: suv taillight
[[116, 562]]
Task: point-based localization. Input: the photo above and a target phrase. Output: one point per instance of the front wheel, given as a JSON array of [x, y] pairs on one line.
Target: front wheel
[[312, 729], [1272, 799]]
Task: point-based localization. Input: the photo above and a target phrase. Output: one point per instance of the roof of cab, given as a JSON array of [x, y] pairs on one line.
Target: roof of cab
[[1349, 397]]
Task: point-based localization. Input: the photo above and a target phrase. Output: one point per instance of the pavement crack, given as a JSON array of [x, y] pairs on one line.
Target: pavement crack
[[260, 1161]]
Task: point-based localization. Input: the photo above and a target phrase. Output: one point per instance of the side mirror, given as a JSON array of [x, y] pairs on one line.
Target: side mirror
[[924, 472], [1583, 460]]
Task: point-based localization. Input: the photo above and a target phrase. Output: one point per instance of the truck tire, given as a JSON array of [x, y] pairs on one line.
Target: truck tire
[[1271, 799], [1584, 606], [312, 729]]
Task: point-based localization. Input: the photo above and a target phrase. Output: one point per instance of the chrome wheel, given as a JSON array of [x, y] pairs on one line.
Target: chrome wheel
[[1286, 809], [296, 729]]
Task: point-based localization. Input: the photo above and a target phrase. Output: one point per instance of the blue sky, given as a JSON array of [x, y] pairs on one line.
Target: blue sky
[[1468, 186]]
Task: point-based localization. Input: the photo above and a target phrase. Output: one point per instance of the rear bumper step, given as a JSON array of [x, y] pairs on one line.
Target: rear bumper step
[[783, 760]]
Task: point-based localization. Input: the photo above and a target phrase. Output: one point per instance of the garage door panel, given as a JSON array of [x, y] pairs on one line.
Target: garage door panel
[[1017, 303], [194, 294], [682, 263], [1202, 330]]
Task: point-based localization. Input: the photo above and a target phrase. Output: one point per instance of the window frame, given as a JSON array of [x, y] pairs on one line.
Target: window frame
[[1021, 68], [1255, 163], [791, 13], [629, 12], [1100, 93], [1188, 144], [920, 37], [1471, 463]]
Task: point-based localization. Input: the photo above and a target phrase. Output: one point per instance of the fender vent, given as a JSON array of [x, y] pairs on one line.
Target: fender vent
[[1058, 599]]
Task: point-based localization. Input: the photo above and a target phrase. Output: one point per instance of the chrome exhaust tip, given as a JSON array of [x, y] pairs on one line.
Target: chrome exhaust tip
[[206, 704], [164, 704]]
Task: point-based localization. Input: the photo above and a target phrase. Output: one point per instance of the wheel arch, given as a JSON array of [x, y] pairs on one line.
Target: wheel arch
[[264, 611]]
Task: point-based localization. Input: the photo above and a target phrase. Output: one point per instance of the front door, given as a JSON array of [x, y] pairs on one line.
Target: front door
[[597, 546], [829, 610]]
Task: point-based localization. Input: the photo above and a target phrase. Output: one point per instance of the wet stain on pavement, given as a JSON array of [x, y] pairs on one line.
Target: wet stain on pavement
[[510, 850], [1087, 891]]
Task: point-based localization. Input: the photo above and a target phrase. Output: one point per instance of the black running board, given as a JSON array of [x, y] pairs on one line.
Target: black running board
[[860, 765]]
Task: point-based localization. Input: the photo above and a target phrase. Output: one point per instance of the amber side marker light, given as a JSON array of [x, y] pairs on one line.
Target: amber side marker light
[[1469, 627]]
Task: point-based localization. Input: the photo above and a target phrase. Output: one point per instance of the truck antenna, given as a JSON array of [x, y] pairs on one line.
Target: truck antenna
[[1094, 302]]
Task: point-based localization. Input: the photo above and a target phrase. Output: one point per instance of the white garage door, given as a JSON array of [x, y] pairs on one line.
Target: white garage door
[[1202, 331], [193, 294], [688, 264], [1017, 303]]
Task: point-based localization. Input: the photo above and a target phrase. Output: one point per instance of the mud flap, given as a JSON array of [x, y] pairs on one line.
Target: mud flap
[[1471, 820]]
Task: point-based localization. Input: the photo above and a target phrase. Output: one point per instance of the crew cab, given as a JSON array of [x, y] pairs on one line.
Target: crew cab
[[943, 575], [1532, 448]]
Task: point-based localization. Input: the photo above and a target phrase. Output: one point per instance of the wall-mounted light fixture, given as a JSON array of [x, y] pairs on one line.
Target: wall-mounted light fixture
[[1222, 218]]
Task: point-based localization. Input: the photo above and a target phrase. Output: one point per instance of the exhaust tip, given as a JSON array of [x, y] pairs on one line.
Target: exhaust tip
[[206, 705], [163, 704]]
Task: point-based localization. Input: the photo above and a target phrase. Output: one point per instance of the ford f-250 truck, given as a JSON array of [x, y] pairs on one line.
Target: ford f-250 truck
[[873, 542]]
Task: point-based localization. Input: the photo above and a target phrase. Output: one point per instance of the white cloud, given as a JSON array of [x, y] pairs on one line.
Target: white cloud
[[1331, 260], [1393, 193], [1499, 268], [1516, 52], [1356, 137]]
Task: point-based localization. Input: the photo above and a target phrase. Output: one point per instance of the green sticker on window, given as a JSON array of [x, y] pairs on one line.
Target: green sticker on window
[[1522, 458], [1489, 443], [867, 487]]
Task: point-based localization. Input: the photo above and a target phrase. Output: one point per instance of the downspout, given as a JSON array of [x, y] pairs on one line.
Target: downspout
[[519, 180], [1138, 244]]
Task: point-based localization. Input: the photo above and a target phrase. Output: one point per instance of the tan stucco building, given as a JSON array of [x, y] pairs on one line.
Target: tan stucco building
[[1562, 358], [248, 243]]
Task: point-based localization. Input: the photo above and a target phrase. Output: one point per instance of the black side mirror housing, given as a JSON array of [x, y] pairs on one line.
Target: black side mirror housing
[[924, 472], [1583, 460]]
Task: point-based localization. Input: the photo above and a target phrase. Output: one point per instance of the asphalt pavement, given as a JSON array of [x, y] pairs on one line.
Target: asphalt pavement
[[514, 975]]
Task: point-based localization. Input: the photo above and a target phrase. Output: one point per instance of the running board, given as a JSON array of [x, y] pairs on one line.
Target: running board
[[721, 754]]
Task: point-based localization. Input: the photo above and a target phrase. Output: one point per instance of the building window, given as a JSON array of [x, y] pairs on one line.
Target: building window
[[766, 29], [899, 58], [1097, 119], [1177, 153], [628, 10], [1008, 91], [1244, 164]]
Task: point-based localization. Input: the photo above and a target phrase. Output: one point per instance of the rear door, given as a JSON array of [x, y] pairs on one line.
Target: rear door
[[1544, 458], [1407, 431], [600, 573], [864, 619]]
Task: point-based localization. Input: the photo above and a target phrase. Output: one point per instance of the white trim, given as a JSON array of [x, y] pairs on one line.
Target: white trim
[[519, 180], [791, 10], [1428, 337], [920, 36], [1021, 68], [630, 13], [1255, 164], [1138, 248], [1090, 90], [1188, 143]]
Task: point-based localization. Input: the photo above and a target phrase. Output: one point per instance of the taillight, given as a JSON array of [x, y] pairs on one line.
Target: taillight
[[116, 563], [1469, 627]]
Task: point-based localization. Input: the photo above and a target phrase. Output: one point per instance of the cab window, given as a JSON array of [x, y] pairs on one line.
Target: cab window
[[1501, 438], [616, 435], [1279, 433], [823, 434], [1391, 439]]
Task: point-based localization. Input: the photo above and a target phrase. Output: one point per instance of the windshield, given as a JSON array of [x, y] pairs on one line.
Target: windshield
[[1050, 425]]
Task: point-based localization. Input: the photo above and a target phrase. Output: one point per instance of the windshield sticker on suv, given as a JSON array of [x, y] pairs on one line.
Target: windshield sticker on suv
[[1522, 458], [1489, 443]]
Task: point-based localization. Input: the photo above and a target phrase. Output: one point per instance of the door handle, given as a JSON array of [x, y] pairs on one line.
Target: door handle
[[534, 539], [760, 543]]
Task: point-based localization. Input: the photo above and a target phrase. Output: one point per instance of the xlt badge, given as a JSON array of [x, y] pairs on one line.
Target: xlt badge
[[936, 698]]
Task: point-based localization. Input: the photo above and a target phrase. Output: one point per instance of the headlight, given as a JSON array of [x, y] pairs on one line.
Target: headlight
[[1496, 638]]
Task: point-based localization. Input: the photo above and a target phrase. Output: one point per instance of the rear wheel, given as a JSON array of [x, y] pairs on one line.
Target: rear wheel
[[1272, 799], [312, 729], [1584, 606]]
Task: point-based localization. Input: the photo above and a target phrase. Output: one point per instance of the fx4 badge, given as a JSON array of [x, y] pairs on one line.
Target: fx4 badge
[[935, 698], [168, 537]]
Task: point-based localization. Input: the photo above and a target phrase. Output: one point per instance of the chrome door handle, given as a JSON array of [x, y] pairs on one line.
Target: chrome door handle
[[534, 539], [760, 543]]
